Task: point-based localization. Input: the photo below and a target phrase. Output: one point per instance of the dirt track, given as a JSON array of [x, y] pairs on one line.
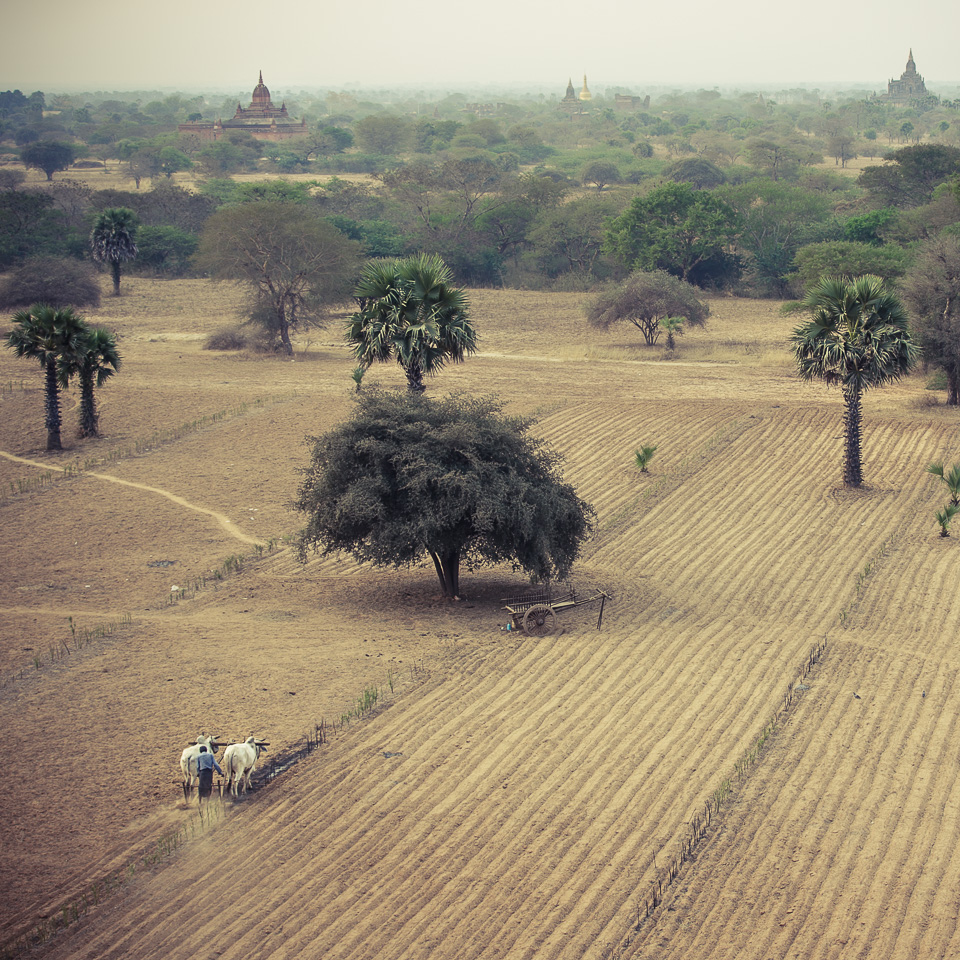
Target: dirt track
[[514, 798]]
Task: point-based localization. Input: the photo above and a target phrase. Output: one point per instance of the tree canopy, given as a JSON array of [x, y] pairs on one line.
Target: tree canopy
[[913, 176], [451, 183], [569, 237], [50, 156], [932, 291], [96, 360], [698, 172], [857, 338], [297, 263], [382, 133], [112, 240], [679, 229], [411, 312], [409, 477], [646, 300], [600, 173], [844, 258], [776, 219], [52, 337]]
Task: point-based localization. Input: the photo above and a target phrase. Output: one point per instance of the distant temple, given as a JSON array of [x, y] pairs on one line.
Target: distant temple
[[909, 87], [483, 109], [623, 101], [574, 103], [261, 120]]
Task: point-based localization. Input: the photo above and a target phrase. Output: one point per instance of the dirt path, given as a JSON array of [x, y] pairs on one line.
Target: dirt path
[[225, 523]]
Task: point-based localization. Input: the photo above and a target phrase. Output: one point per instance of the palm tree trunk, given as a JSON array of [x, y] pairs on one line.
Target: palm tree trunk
[[52, 406], [115, 267], [415, 378], [89, 418], [852, 418]]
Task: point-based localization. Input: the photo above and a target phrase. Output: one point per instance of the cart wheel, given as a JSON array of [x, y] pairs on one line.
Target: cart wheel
[[539, 620]]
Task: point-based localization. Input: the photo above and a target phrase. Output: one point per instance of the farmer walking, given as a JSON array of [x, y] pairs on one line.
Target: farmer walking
[[206, 764]]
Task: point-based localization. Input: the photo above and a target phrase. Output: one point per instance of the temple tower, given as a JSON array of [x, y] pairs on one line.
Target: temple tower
[[909, 87]]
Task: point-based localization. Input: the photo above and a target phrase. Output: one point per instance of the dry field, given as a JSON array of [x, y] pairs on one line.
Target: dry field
[[508, 797], [114, 176]]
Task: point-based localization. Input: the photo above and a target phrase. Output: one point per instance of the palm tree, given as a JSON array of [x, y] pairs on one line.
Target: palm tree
[[52, 337], [411, 312], [944, 517], [111, 240], [96, 360], [857, 338], [674, 327], [643, 457], [951, 478]]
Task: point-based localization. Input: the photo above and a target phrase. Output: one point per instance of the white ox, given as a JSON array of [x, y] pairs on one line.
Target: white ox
[[239, 759], [189, 757]]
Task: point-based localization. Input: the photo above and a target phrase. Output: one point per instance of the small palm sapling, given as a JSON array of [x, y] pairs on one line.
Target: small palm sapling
[[944, 517], [643, 457]]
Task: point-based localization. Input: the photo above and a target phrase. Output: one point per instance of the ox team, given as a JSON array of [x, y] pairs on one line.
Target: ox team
[[198, 761]]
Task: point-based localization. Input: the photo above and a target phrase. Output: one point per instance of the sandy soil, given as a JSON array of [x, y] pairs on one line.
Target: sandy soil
[[508, 797]]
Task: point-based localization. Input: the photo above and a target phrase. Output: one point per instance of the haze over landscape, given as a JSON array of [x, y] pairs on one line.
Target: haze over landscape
[[607, 355], [184, 45]]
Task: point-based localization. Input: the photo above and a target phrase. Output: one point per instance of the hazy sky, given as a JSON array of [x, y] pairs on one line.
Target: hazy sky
[[55, 45]]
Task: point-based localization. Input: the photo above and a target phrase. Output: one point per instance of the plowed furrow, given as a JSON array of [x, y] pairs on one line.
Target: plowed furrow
[[521, 801], [831, 869], [508, 789]]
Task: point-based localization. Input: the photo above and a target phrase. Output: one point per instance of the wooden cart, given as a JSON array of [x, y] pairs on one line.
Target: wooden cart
[[536, 613]]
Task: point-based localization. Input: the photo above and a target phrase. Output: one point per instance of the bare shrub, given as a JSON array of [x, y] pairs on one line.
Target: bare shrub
[[11, 179], [926, 400], [51, 280], [648, 301], [227, 338]]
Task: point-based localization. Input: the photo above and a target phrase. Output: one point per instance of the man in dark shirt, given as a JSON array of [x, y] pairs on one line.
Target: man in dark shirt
[[206, 764]]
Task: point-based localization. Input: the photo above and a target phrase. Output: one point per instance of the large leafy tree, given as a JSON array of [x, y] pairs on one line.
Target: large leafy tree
[[506, 218], [166, 250], [411, 312], [52, 336], [569, 237], [382, 134], [646, 300], [781, 157], [468, 179], [410, 477], [912, 176], [676, 228], [50, 156], [94, 361], [845, 258], [112, 240], [776, 220], [30, 226], [857, 338], [297, 263], [932, 291], [699, 172], [600, 173]]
